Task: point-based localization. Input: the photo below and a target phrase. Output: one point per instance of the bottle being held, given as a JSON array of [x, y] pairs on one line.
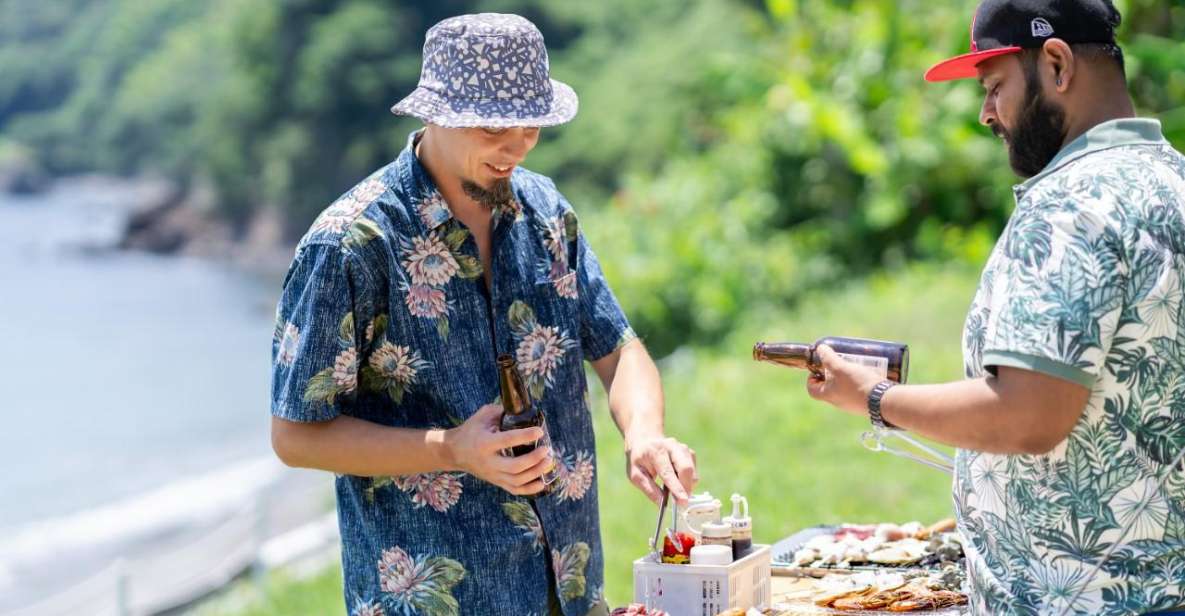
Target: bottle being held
[[519, 412], [890, 358], [742, 527]]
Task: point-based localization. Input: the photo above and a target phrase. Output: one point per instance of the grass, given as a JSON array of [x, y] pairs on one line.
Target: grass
[[281, 594], [757, 432]]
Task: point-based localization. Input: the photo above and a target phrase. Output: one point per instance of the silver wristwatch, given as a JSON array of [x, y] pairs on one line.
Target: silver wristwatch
[[874, 405]]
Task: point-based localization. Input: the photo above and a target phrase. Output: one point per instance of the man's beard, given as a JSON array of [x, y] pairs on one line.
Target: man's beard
[[499, 193], [1039, 133]]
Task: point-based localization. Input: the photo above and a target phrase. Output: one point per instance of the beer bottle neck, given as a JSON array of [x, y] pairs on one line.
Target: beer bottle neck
[[514, 399], [790, 354]]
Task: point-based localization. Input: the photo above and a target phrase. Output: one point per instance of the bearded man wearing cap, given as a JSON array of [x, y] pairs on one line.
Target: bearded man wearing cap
[[398, 302], [1069, 489]]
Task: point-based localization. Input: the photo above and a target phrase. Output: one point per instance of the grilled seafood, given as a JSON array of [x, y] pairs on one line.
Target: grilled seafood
[[881, 592], [884, 544]]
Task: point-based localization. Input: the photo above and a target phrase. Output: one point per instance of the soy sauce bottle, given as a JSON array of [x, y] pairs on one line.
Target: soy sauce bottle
[[741, 526]]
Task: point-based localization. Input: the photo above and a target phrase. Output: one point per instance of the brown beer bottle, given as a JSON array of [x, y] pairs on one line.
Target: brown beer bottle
[[518, 412], [890, 358]]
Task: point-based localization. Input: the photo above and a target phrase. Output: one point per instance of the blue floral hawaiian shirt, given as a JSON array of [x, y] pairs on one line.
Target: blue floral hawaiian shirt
[[384, 317]]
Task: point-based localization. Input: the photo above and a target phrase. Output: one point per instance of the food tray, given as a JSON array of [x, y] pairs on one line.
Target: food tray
[[788, 600], [804, 607], [782, 556], [814, 610], [783, 551]]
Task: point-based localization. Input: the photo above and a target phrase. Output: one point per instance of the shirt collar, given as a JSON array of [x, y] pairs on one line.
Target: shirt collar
[[1110, 134], [421, 191], [425, 197]]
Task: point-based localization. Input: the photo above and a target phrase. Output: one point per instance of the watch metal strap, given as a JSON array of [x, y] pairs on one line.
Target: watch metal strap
[[874, 405]]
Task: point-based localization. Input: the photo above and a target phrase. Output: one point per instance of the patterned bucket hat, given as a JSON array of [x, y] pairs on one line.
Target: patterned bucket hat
[[487, 70]]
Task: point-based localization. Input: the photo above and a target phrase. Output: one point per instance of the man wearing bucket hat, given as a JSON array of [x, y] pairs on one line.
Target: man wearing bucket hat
[[401, 296], [1071, 422]]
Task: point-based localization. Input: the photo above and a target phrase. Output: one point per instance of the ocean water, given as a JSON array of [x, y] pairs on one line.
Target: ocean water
[[133, 389]]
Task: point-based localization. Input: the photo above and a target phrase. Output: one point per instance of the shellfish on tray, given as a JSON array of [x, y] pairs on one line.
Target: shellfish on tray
[[883, 544], [900, 553]]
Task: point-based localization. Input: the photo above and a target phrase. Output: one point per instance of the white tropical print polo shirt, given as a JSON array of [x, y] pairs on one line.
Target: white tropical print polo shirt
[[1086, 285]]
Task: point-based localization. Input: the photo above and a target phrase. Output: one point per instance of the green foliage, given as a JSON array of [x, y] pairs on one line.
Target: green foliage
[[823, 154], [829, 156], [727, 153]]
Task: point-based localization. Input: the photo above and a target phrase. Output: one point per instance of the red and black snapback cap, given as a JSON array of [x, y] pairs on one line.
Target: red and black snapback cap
[[1002, 27]]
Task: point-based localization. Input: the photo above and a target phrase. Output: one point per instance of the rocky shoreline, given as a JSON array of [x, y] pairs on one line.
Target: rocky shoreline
[[19, 172], [166, 218]]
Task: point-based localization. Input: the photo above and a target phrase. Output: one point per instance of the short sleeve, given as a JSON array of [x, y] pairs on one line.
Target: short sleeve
[[1057, 300], [315, 350], [603, 325]]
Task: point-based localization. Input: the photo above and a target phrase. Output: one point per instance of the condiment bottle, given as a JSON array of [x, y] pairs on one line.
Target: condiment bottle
[[701, 508], [742, 527], [716, 533]]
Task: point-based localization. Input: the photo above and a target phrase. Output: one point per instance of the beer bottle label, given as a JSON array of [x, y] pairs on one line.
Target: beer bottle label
[[880, 364]]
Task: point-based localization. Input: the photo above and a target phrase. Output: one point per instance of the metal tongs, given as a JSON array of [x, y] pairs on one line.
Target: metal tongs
[[874, 440], [655, 546]]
